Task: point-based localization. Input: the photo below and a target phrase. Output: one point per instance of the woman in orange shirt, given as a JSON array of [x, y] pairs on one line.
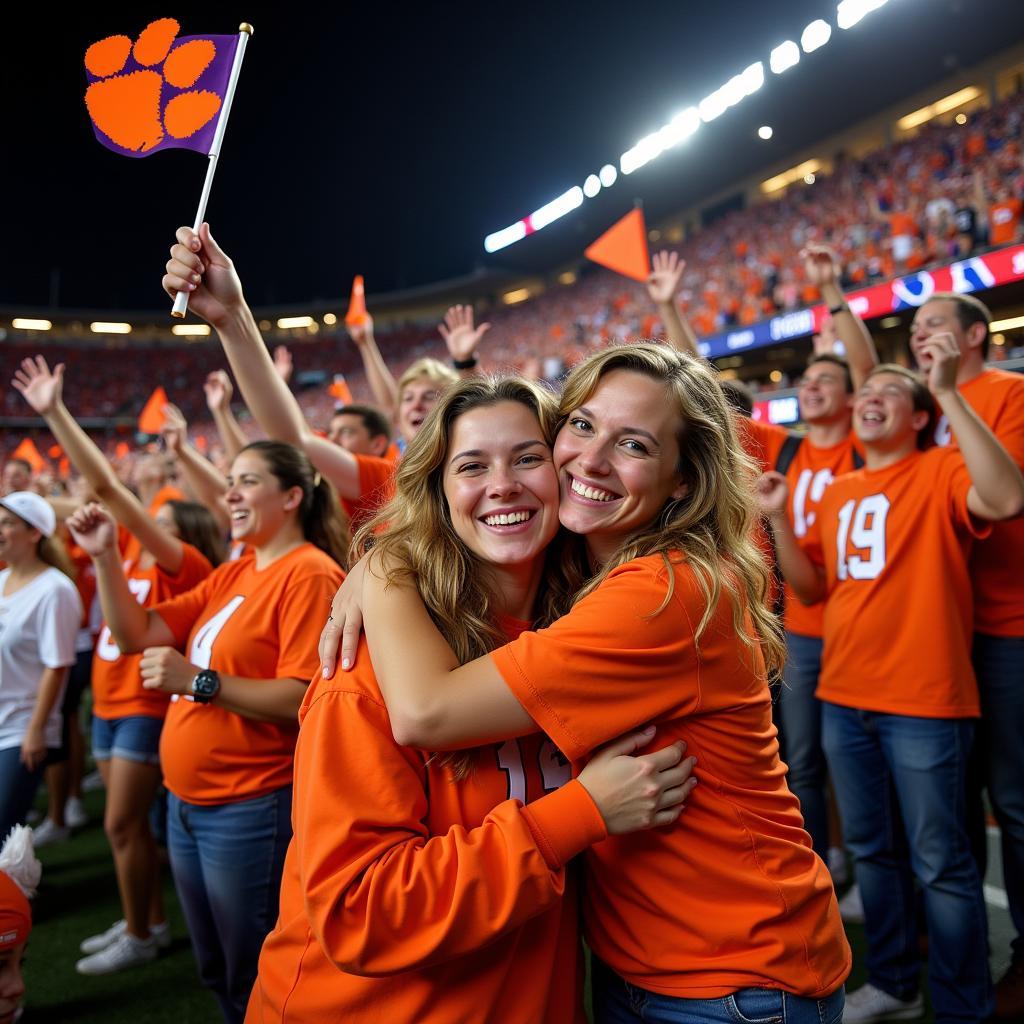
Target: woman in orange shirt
[[435, 888], [171, 548], [227, 747], [733, 916]]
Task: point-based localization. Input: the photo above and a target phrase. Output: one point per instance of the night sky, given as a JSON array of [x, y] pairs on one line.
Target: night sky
[[388, 140]]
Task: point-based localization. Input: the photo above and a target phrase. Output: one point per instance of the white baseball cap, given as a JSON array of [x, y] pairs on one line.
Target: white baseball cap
[[36, 511]]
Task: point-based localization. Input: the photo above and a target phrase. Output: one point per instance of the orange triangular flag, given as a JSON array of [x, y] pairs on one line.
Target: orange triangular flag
[[28, 451], [356, 314], [623, 247], [339, 390], [151, 419]]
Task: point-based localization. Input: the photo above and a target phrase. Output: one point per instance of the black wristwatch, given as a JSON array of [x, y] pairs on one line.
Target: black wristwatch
[[205, 686]]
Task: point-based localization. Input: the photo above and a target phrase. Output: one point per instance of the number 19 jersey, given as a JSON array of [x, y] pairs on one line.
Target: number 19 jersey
[[895, 544]]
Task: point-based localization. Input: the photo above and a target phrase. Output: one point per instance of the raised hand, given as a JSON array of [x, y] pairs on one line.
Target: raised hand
[[40, 387], [93, 529], [772, 493], [219, 389], [283, 362], [175, 428], [666, 274], [820, 266], [941, 355], [361, 333], [201, 268], [459, 334]]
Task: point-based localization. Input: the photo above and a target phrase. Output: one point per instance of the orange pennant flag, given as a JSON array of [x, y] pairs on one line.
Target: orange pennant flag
[[623, 247], [356, 314], [151, 419], [123, 450], [339, 390], [64, 468], [28, 451]]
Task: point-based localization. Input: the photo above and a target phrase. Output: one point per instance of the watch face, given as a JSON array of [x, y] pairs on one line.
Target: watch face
[[205, 685]]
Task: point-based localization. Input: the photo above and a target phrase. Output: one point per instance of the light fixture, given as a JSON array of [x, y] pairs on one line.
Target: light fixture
[[24, 323], [515, 296], [784, 56], [591, 186], [102, 327], [191, 330], [330, 319], [287, 322], [608, 175], [1007, 325], [816, 35], [765, 132]]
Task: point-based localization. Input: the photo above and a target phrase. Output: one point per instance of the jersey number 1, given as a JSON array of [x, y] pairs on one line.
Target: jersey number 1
[[862, 524]]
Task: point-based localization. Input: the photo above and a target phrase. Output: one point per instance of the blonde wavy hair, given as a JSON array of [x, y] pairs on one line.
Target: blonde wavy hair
[[712, 525], [415, 536]]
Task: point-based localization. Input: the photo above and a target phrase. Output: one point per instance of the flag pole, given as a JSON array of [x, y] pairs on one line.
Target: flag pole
[[244, 31]]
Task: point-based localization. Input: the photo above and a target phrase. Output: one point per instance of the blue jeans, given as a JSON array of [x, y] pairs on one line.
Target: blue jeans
[[800, 725], [227, 862], [900, 783], [130, 737], [616, 1001], [999, 664], [18, 788]]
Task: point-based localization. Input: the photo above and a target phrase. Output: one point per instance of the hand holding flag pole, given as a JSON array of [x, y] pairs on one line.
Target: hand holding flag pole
[[245, 30]]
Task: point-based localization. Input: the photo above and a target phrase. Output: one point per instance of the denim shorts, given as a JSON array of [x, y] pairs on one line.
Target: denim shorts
[[134, 738]]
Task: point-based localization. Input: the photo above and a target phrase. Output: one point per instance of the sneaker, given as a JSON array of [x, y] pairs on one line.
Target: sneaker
[[49, 832], [75, 815], [159, 933], [124, 952], [836, 865], [1010, 992], [92, 782], [851, 906], [870, 1004]]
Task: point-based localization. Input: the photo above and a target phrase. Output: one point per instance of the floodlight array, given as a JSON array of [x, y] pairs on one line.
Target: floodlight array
[[685, 124]]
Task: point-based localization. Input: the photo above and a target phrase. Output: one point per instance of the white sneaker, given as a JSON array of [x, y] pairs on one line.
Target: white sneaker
[[49, 832], [92, 782], [124, 952], [159, 933], [870, 1004], [851, 906], [75, 815], [836, 864]]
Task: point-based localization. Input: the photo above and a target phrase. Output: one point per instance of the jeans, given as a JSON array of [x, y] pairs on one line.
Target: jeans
[[227, 862], [800, 725], [999, 664], [900, 783], [616, 1001], [18, 788], [130, 737]]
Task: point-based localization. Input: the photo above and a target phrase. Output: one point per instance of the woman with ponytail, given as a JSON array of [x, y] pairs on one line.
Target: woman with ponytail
[[249, 635]]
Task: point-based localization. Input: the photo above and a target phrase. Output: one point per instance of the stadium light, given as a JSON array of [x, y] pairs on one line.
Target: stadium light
[[591, 186], [506, 236], [943, 106], [608, 175], [816, 35], [765, 132], [330, 319], [24, 323], [515, 296], [565, 203], [784, 56], [849, 12], [1007, 325], [294, 321], [191, 330], [102, 327]]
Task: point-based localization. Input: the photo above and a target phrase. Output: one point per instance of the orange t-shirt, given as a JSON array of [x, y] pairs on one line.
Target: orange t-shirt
[[734, 896], [897, 624], [1004, 221], [116, 684], [376, 487], [810, 472], [258, 624], [409, 895], [997, 563], [902, 223]]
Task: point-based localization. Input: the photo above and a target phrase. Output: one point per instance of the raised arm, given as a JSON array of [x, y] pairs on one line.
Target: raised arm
[[462, 339], [208, 485], [43, 391], [219, 389], [381, 380], [824, 273], [806, 578], [997, 490], [663, 284]]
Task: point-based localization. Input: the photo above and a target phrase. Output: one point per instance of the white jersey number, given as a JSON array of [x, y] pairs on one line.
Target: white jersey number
[[809, 488], [105, 646], [554, 769], [201, 651], [863, 524]]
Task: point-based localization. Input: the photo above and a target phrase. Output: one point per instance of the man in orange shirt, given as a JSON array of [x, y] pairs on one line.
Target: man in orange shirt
[[997, 572], [899, 692]]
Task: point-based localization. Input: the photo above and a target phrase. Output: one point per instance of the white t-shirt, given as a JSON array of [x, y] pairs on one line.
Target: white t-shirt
[[38, 628]]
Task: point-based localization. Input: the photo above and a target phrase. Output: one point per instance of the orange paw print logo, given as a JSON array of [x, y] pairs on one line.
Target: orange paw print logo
[[141, 94]]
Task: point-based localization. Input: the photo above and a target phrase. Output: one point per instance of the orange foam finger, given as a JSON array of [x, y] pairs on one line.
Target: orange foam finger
[[187, 113], [186, 63], [107, 56], [155, 40]]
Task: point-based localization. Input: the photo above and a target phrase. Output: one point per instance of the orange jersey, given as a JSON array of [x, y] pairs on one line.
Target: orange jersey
[[897, 630], [258, 624], [410, 895], [376, 487], [116, 683], [997, 563], [733, 896], [1004, 222], [810, 472]]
